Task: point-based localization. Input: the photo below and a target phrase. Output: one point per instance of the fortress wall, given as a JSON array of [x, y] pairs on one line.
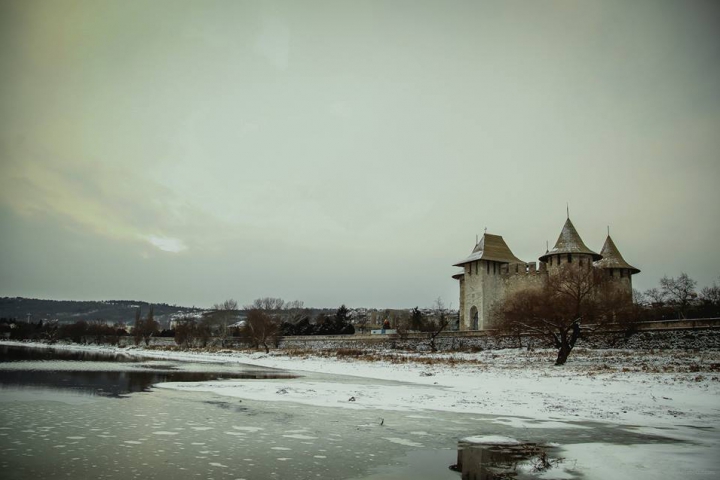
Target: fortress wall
[[509, 283], [486, 283], [691, 339], [699, 335]]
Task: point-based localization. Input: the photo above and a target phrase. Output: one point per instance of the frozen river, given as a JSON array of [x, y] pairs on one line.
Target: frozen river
[[100, 417]]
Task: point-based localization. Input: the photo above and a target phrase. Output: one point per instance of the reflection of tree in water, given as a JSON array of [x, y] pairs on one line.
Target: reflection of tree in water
[[112, 382], [140, 381], [10, 353], [502, 461]]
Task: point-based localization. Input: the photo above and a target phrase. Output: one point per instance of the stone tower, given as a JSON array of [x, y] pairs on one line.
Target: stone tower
[[569, 248], [484, 279], [616, 267]]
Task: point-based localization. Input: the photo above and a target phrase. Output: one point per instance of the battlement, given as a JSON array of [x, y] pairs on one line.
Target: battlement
[[492, 272], [520, 268]]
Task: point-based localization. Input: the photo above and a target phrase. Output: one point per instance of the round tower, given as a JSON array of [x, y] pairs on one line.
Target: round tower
[[612, 262], [569, 248]]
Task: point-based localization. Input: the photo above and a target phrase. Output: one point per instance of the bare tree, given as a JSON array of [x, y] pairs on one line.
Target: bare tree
[[185, 331], [361, 321], [680, 292], [150, 327], [51, 330], [295, 311], [263, 320], [506, 327], [655, 296], [222, 314], [137, 328], [98, 329], [144, 328], [711, 294], [261, 328], [710, 300], [438, 323], [575, 294], [268, 304], [638, 297]]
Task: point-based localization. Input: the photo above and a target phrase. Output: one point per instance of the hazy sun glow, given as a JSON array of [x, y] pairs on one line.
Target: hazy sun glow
[[173, 245]]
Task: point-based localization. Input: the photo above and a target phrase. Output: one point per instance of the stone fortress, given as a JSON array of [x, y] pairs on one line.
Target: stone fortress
[[492, 272]]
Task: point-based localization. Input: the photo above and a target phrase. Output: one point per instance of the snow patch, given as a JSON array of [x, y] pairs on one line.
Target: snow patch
[[403, 441], [491, 439], [248, 429]]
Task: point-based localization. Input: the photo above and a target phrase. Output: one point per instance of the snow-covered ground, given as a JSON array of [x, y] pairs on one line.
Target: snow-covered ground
[[670, 393]]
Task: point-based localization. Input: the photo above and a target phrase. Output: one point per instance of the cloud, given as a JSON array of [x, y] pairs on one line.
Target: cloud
[[167, 244], [112, 201]]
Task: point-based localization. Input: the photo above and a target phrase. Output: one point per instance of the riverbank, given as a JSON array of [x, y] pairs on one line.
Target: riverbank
[[654, 389], [614, 413]]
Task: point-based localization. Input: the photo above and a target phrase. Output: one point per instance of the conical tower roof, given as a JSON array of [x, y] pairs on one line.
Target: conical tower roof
[[569, 241], [493, 248], [612, 258]]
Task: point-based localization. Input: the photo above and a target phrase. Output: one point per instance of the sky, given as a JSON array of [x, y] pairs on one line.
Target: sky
[[348, 152]]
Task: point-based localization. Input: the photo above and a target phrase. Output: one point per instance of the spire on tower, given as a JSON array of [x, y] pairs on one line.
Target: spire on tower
[[612, 258], [569, 241]]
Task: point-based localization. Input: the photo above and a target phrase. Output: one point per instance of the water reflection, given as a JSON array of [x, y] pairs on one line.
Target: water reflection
[[106, 375], [11, 353], [493, 461], [109, 384]]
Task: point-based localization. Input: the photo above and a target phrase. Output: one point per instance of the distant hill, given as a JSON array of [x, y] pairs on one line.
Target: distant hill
[[123, 311], [70, 311]]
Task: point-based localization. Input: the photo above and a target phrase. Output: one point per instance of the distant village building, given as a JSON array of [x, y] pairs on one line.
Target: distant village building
[[492, 272]]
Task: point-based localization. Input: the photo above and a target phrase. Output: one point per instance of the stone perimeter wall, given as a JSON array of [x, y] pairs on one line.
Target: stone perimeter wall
[[700, 334], [697, 339]]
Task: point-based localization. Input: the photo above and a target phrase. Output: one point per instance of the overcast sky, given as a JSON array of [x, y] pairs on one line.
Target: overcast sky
[[348, 151]]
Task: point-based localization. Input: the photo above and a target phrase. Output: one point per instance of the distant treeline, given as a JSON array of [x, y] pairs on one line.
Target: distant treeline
[[71, 311]]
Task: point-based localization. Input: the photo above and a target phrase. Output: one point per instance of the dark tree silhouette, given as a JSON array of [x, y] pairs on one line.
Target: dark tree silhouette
[[222, 315], [679, 292], [416, 319], [144, 328], [573, 296], [261, 328], [438, 324]]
